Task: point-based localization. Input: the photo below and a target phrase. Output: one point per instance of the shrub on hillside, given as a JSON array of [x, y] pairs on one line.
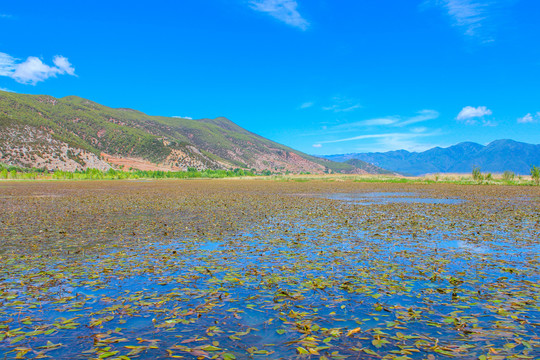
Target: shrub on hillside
[[535, 174], [477, 174]]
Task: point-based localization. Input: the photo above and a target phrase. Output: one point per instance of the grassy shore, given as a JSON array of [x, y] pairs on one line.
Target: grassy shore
[[475, 178], [458, 179]]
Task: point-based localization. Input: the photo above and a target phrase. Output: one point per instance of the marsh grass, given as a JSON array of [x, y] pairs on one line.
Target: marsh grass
[[508, 176], [477, 174], [457, 179], [8, 172]]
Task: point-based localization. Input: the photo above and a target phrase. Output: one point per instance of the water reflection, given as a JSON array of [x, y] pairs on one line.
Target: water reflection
[[388, 198]]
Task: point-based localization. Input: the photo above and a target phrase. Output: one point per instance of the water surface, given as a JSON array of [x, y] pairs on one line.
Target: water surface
[[221, 270]]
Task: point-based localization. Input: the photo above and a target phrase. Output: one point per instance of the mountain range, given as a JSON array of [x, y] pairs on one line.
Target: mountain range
[[496, 157], [73, 133]]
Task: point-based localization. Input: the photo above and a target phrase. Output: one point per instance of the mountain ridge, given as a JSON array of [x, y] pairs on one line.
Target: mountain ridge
[[73, 133], [496, 157]]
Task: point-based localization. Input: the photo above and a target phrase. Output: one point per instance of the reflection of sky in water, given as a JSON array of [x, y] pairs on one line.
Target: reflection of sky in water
[[387, 198], [223, 279], [471, 247]]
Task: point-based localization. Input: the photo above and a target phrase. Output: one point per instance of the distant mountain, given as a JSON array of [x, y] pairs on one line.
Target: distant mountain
[[497, 157], [73, 133]]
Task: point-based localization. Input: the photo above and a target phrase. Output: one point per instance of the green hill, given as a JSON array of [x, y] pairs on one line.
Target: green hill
[[75, 133]]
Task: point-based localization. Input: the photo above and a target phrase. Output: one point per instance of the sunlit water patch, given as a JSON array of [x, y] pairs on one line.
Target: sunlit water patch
[[388, 197]]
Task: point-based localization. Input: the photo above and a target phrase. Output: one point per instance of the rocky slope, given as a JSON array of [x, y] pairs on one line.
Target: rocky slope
[[27, 146]]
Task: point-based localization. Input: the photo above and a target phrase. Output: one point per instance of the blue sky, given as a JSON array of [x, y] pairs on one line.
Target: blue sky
[[321, 76]]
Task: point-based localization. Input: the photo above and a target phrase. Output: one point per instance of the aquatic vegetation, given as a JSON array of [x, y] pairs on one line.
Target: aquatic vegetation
[[266, 269]]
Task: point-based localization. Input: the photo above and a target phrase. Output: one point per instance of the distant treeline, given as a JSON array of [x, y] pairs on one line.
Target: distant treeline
[[508, 176], [14, 172]]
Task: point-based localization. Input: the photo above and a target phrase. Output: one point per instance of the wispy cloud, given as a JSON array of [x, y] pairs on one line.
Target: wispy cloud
[[380, 136], [374, 122], [402, 143], [183, 117], [423, 115], [389, 121], [306, 105], [473, 17], [470, 115], [7, 64], [283, 10], [411, 141], [489, 123], [317, 145], [338, 108], [342, 104], [7, 90], [529, 118], [33, 70]]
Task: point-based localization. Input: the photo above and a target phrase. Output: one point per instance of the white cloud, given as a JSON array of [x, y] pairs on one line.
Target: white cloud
[[33, 70], [7, 64], [64, 65], [317, 145], [395, 136], [469, 114], [182, 117], [526, 119], [411, 139], [283, 10], [378, 122], [342, 104], [393, 121], [529, 119], [6, 90], [306, 105], [420, 129], [472, 16], [338, 108], [423, 115], [401, 143], [390, 141]]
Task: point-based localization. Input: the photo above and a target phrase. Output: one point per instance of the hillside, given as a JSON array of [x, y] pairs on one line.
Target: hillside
[[369, 168], [496, 157], [73, 133]]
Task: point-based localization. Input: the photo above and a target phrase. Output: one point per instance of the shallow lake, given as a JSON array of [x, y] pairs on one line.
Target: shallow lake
[[246, 269], [371, 198]]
